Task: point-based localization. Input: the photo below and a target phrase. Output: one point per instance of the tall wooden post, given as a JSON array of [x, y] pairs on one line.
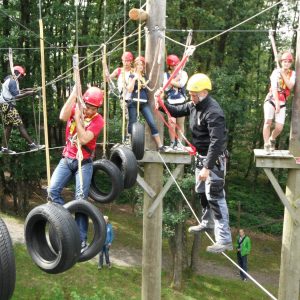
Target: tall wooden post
[[290, 252], [152, 227]]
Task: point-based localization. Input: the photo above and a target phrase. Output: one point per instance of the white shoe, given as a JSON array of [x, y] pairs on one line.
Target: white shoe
[[219, 248], [200, 227], [267, 148], [272, 144]]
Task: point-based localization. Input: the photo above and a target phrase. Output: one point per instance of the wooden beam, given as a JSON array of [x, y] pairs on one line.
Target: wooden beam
[[281, 195], [290, 251], [169, 157], [278, 159], [145, 186], [165, 189]]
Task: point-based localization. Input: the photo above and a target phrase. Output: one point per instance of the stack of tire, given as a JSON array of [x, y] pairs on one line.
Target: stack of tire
[[51, 232], [121, 173], [53, 239]]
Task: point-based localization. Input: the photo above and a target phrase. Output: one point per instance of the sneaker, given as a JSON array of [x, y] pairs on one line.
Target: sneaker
[[267, 148], [100, 267], [200, 227], [7, 151], [162, 149], [272, 144], [109, 266], [84, 246], [127, 141], [219, 248], [245, 279], [34, 146]]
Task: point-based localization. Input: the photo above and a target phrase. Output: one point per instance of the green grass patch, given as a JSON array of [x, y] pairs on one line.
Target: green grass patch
[[85, 282]]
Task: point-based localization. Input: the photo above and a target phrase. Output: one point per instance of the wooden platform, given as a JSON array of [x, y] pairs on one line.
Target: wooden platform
[[277, 159], [171, 157]]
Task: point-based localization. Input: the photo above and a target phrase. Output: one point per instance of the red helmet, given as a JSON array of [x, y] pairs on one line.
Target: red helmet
[[127, 56], [140, 58], [20, 69], [287, 56], [93, 96], [173, 60]]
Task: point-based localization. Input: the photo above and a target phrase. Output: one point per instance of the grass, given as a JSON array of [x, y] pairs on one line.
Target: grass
[[85, 282]]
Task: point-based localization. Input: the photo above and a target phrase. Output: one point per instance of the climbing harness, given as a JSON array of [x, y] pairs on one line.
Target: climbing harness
[[188, 53]]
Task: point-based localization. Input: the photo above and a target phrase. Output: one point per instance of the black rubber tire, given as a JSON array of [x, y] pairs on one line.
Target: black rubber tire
[[115, 178], [87, 208], [125, 160], [67, 236], [7, 264], [138, 140]]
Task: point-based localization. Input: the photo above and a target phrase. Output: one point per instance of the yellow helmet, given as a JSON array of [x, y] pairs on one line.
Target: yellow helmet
[[198, 82]]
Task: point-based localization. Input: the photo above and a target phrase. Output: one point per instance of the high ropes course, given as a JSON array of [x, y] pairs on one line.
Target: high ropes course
[[54, 222]]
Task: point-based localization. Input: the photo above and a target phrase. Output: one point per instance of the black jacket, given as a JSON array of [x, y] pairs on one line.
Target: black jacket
[[207, 124]]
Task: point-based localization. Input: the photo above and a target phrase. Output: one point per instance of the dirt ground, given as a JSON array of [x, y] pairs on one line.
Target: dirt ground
[[132, 257]]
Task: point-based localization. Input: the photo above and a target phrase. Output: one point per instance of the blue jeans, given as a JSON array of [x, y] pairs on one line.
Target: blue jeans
[[105, 251], [146, 112], [64, 172]]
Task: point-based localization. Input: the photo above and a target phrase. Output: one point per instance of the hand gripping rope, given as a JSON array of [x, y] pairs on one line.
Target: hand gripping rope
[[189, 51]]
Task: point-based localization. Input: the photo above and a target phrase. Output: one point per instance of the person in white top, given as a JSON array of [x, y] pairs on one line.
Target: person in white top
[[175, 95], [127, 60], [282, 82]]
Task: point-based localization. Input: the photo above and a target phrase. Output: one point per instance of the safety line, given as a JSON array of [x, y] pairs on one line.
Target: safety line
[[211, 239], [234, 30], [245, 21], [28, 29]]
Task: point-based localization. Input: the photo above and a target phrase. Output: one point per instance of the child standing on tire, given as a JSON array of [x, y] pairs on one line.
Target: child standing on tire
[[87, 130]]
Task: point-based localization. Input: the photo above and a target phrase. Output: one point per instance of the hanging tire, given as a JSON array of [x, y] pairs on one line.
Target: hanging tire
[[138, 140], [7, 264], [107, 181], [125, 160], [41, 219], [93, 213]]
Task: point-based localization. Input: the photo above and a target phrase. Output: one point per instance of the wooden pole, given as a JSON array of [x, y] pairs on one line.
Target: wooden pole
[[290, 252], [152, 227], [44, 100]]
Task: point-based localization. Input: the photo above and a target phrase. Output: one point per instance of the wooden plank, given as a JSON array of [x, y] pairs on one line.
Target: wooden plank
[[145, 186], [276, 153], [278, 159], [165, 189], [281, 195], [169, 157]]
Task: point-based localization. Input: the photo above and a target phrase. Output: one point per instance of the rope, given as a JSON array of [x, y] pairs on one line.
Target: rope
[[81, 105], [237, 25], [188, 53], [104, 106], [211, 239]]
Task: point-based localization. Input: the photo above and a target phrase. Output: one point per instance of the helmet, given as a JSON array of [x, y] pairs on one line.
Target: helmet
[[172, 60], [198, 82], [93, 96], [287, 56], [127, 56], [20, 69], [140, 58]]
